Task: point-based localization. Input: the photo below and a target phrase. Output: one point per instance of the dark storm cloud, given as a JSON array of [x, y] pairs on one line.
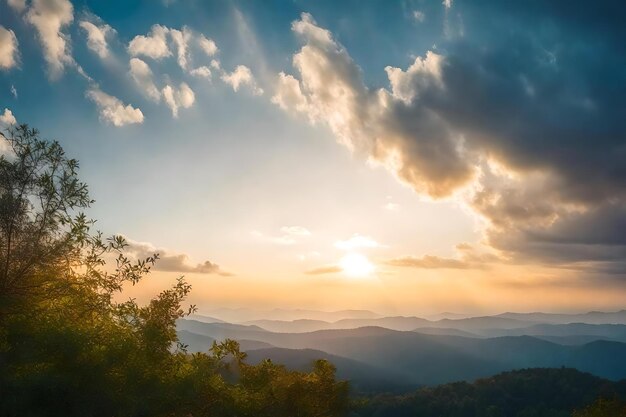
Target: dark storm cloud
[[524, 103]]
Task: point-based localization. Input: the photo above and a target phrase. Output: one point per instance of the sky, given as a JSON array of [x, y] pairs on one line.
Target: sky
[[407, 157]]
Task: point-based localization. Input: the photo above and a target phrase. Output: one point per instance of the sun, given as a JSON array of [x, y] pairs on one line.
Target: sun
[[356, 265]]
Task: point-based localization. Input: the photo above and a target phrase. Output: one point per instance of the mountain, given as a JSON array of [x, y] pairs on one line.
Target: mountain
[[294, 326], [527, 392], [434, 359], [401, 323], [205, 319], [599, 331], [201, 343], [242, 315], [363, 377], [592, 317], [446, 315], [444, 331], [481, 324]]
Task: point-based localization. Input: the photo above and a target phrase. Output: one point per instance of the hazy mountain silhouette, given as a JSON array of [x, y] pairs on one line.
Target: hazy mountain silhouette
[[362, 377], [600, 331], [445, 331], [242, 315], [592, 317], [432, 359]]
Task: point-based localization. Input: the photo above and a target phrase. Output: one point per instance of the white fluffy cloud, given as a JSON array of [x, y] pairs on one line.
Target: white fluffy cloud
[[17, 5], [97, 37], [288, 94], [113, 110], [7, 118], [417, 147], [142, 75], [207, 45], [176, 98], [421, 75], [202, 72], [181, 40], [242, 76], [154, 45], [8, 48], [50, 18]]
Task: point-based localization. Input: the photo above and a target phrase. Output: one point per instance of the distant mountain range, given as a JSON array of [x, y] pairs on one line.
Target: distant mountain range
[[241, 315], [413, 351], [432, 359]]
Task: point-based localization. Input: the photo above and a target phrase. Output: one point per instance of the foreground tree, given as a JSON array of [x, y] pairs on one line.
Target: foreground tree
[[67, 348], [603, 408]]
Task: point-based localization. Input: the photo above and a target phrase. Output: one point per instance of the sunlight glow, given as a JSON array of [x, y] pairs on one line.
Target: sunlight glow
[[356, 265]]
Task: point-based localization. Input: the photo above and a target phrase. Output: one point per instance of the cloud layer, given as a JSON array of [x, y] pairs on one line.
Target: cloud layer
[[172, 262], [8, 49], [112, 110], [516, 125]]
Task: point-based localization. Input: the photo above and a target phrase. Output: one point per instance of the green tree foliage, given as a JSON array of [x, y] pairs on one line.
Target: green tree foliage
[[68, 348], [522, 393], [603, 408]]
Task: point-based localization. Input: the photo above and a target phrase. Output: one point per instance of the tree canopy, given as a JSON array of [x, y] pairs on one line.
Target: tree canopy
[[68, 348]]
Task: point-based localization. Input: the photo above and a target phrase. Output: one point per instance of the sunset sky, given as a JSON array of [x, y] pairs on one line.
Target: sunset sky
[[408, 157]]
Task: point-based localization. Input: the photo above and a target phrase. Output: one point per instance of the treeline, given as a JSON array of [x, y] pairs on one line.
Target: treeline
[[67, 348], [524, 393]]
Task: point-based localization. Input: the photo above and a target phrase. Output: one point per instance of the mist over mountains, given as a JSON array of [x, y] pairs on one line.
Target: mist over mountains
[[402, 353]]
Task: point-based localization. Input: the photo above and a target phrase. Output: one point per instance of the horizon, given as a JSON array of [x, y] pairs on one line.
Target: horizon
[[464, 158]]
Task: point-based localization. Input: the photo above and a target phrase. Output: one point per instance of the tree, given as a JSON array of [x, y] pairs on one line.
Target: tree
[[603, 408], [40, 235], [68, 348]]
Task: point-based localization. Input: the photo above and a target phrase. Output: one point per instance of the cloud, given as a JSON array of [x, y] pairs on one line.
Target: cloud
[[181, 40], [7, 119], [324, 270], [17, 5], [172, 262], [298, 231], [290, 235], [177, 98], [516, 126], [97, 35], [9, 54], [288, 94], [112, 110], [276, 240], [13, 91], [242, 76], [207, 45], [357, 242], [154, 45], [392, 206], [142, 75], [50, 18], [202, 72], [415, 145], [447, 4], [419, 16], [429, 262]]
